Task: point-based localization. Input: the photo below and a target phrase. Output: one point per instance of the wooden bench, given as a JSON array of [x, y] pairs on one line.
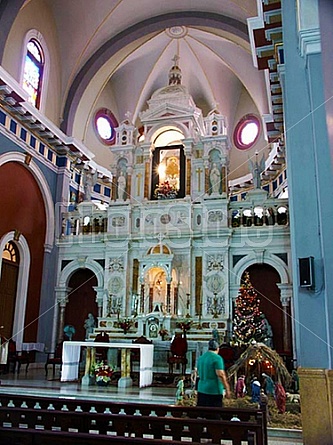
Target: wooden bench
[[33, 420]]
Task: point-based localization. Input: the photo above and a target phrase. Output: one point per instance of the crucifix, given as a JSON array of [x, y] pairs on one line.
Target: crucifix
[[175, 59]]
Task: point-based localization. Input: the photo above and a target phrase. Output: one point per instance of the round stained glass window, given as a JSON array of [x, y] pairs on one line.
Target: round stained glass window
[[104, 128], [246, 132], [105, 123]]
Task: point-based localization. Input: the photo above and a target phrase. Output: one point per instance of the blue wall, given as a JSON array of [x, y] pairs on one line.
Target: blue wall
[[310, 195]]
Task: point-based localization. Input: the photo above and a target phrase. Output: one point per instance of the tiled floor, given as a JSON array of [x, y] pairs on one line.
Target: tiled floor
[[34, 382]]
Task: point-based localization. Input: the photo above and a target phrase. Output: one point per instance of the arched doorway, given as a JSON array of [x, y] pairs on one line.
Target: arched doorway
[[264, 278], [81, 301], [8, 288]]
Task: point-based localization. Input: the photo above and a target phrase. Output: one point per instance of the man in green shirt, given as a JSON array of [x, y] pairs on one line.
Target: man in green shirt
[[212, 377]]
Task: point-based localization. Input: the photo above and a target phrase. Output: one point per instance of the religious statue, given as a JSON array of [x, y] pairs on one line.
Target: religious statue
[[267, 332], [240, 388], [215, 179], [121, 186], [180, 389], [89, 180], [256, 170], [89, 325]]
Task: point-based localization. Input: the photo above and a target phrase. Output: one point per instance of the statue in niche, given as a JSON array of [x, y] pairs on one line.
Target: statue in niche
[[121, 186], [89, 325], [215, 179], [256, 169], [89, 180]]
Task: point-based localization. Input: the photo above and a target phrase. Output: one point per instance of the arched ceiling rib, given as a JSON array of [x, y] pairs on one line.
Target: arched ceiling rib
[[120, 41]]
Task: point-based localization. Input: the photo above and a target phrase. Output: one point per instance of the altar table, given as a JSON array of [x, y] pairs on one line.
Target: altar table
[[71, 358]]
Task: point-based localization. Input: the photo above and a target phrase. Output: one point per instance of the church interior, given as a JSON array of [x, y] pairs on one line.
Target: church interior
[[152, 161]]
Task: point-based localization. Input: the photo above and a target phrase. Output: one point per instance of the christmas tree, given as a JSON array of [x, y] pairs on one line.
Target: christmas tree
[[248, 319]]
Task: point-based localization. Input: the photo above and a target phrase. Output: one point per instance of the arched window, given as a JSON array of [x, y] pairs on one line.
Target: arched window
[[10, 253], [33, 72]]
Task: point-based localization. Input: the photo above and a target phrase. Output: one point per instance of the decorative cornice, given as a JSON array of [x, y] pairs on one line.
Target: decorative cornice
[[309, 42]]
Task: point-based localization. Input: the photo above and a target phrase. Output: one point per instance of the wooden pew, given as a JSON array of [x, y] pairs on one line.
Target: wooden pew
[[33, 420]]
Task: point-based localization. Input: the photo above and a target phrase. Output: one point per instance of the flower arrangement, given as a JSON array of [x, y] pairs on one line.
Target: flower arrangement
[[185, 325], [165, 190], [163, 333], [103, 373], [125, 324]]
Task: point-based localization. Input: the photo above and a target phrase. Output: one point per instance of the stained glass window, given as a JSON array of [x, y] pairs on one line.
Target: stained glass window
[[246, 132], [33, 72], [105, 123]]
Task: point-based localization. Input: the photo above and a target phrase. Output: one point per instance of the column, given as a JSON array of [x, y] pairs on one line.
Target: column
[[129, 183], [151, 298], [168, 298], [206, 179], [147, 178], [175, 300], [285, 298], [142, 298], [100, 292], [224, 179], [59, 322], [114, 185], [188, 176], [125, 379]]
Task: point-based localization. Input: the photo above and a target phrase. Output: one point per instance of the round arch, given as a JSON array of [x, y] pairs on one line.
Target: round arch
[[157, 129], [44, 189], [34, 34], [269, 259], [22, 282], [74, 265]]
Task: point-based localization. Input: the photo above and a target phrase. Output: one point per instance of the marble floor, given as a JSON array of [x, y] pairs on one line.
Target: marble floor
[[34, 381]]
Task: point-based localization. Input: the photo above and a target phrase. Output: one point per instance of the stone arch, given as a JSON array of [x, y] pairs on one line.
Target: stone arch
[[269, 259], [68, 271], [271, 293], [155, 130], [22, 282], [45, 192], [62, 290], [147, 267]]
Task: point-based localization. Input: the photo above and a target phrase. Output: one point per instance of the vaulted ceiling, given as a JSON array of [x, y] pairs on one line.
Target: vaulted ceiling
[[126, 47]]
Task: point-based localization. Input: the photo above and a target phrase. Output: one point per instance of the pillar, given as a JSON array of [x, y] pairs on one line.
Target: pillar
[[129, 184], [59, 320], [285, 298], [316, 390], [168, 298], [142, 298], [147, 178], [207, 186], [188, 176], [125, 379], [100, 292]]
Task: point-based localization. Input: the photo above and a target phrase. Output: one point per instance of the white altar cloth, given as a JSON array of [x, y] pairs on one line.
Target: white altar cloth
[[71, 358]]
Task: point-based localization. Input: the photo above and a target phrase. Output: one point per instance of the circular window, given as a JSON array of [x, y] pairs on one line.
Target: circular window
[[105, 123], [246, 132]]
